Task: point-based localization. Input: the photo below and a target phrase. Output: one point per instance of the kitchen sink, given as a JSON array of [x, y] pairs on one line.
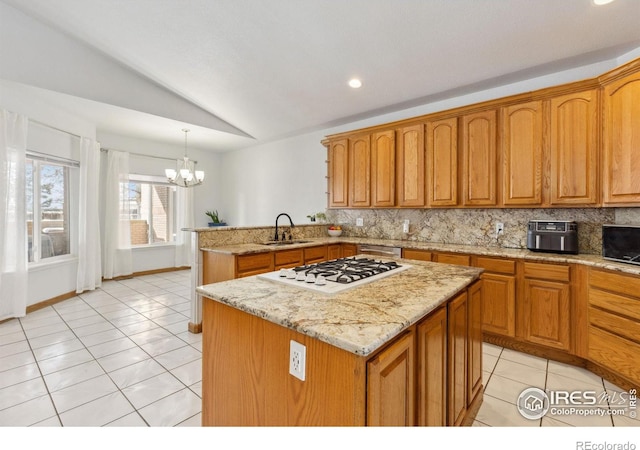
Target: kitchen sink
[[284, 242]]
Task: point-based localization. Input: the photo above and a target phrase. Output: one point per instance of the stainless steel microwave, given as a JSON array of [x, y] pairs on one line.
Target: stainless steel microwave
[[621, 243]]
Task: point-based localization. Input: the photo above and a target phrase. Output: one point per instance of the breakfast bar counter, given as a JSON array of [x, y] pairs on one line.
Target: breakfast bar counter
[[401, 350]]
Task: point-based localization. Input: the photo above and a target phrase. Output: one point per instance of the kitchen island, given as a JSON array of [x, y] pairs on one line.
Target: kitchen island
[[402, 350]]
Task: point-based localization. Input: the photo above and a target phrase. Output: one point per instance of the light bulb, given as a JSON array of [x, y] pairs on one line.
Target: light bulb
[[170, 173]]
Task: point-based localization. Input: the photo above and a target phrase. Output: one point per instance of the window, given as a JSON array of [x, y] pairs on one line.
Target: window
[[47, 193], [150, 208]]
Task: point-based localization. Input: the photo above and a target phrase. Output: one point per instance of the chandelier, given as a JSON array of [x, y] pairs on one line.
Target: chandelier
[[185, 173]]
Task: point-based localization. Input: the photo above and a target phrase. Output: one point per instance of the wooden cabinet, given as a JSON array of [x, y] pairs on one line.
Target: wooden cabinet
[[457, 360], [359, 171], [338, 168], [288, 258], [334, 251], [621, 141], [474, 341], [314, 254], [383, 160], [410, 164], [574, 149], [452, 258], [498, 295], [420, 255], [545, 314], [253, 264], [349, 250], [479, 159], [614, 322], [391, 384], [442, 162], [431, 339], [521, 150]]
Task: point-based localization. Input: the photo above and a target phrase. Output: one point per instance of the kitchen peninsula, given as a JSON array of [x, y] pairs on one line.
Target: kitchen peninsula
[[402, 350]]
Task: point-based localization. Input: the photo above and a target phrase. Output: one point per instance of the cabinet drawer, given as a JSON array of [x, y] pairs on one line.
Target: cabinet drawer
[[621, 326], [615, 282], [420, 255], [496, 265], [254, 263], [315, 254], [556, 272], [291, 258], [448, 258], [618, 304], [615, 353]]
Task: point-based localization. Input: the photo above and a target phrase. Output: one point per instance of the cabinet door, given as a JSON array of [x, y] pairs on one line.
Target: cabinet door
[[334, 251], [287, 258], [315, 254], [410, 166], [621, 168], [391, 385], [457, 360], [546, 313], [474, 341], [349, 250], [573, 149], [432, 370], [450, 258], [521, 148], [420, 255], [383, 169], [499, 304], [359, 172], [442, 162], [479, 159], [338, 174]]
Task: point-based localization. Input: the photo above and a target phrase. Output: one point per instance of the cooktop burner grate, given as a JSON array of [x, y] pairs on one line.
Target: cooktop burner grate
[[348, 270]]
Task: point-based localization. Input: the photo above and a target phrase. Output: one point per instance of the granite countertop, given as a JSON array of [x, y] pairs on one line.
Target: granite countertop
[[359, 320], [589, 260]]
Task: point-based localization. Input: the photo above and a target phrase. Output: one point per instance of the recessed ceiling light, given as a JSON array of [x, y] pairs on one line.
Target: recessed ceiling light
[[355, 83], [601, 2]]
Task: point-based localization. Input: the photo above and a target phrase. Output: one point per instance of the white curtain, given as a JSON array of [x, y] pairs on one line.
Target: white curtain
[[89, 274], [185, 219], [116, 240], [13, 216]]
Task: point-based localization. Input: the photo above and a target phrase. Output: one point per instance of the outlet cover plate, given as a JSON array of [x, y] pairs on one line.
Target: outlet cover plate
[[297, 360]]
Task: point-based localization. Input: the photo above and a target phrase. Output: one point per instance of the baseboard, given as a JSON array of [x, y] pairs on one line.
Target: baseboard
[[147, 272]]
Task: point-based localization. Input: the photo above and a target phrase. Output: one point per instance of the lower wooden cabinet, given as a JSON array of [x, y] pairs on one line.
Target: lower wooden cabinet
[[474, 341], [498, 294], [545, 308], [420, 255], [452, 258], [349, 250], [334, 251], [391, 384], [288, 258], [431, 335], [314, 255], [457, 359]]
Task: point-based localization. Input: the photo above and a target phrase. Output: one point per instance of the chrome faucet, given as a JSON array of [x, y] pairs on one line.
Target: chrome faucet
[[275, 237]]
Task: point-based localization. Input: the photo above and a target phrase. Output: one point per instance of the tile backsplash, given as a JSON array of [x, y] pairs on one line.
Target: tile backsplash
[[477, 226]]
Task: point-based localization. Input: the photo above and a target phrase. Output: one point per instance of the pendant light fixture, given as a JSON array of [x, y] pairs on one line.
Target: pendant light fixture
[[185, 173]]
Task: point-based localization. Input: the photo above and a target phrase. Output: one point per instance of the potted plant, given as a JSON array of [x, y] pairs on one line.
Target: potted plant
[[215, 219]]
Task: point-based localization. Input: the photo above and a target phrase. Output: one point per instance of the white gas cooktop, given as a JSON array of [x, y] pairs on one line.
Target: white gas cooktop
[[331, 277]]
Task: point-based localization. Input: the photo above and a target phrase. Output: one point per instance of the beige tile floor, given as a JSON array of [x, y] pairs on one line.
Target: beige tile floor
[[122, 356]]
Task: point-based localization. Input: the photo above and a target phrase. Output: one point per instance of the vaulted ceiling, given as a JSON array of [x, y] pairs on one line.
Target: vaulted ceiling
[[249, 71]]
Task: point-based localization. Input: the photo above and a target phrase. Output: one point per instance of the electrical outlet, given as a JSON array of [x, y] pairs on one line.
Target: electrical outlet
[[359, 222], [297, 360], [405, 226], [499, 229]]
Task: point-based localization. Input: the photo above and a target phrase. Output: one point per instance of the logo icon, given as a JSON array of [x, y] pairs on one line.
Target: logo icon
[[533, 403]]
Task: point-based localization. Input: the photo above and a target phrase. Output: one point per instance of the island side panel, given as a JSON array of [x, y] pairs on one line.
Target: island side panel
[[246, 380]]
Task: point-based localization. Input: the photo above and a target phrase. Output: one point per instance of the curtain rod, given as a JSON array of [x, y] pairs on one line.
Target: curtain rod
[[145, 156], [54, 128]]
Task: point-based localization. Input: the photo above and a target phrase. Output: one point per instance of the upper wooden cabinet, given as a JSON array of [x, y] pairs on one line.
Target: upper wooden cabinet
[[479, 159], [338, 174], [359, 171], [521, 147], [383, 160], [574, 149], [410, 165], [621, 127], [442, 162]]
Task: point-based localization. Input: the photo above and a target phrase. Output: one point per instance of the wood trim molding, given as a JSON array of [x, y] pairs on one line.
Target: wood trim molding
[[147, 272]]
